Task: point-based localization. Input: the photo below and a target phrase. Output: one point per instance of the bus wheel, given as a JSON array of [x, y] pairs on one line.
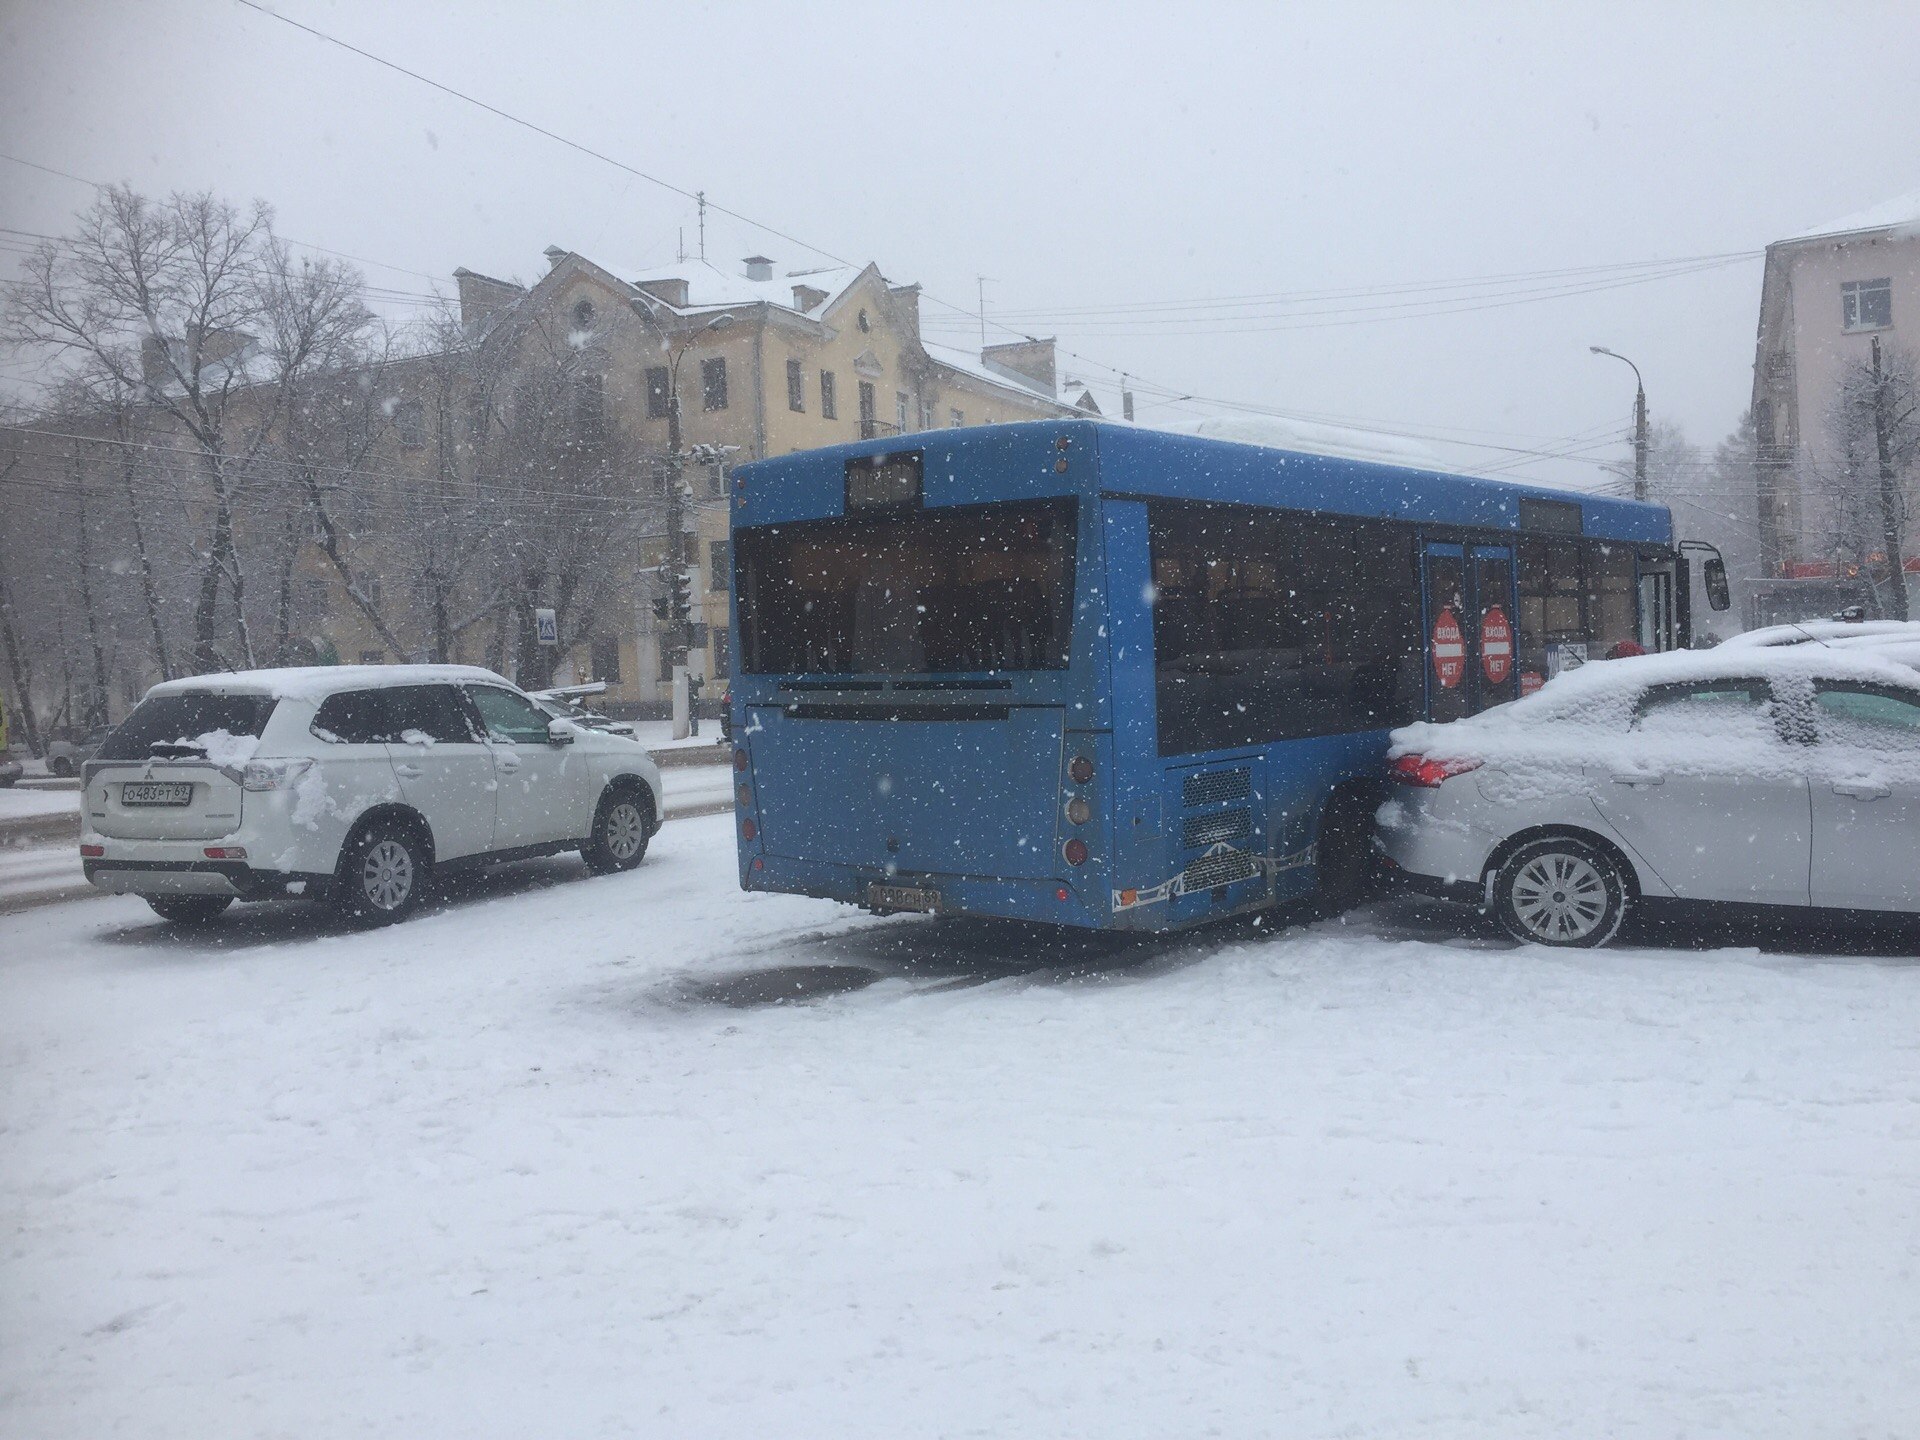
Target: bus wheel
[[1343, 857]]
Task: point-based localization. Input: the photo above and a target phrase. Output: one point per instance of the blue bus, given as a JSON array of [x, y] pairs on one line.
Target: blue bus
[[1100, 676]]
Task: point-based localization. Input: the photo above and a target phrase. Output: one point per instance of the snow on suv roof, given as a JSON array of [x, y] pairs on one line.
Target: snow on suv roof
[[312, 682]]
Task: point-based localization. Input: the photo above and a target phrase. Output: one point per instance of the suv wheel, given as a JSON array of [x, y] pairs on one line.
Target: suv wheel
[[60, 767], [189, 909], [622, 826], [382, 872], [1560, 891]]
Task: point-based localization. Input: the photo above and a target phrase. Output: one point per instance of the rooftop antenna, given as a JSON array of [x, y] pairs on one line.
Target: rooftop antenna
[[701, 197], [680, 250], [983, 279]]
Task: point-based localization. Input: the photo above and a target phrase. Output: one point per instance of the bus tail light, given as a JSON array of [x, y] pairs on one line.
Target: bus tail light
[[1429, 773], [1078, 811], [1080, 770], [739, 759], [748, 830], [1076, 851]]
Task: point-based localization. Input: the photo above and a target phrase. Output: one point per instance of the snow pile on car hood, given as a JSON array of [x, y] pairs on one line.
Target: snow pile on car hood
[[1584, 716]]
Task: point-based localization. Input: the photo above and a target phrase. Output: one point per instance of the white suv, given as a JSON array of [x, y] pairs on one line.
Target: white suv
[[350, 783]]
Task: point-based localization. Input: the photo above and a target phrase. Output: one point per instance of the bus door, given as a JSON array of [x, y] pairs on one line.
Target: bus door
[[1469, 628], [1659, 607]]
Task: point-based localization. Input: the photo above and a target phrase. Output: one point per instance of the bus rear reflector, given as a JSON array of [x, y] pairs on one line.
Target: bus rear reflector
[[1428, 773]]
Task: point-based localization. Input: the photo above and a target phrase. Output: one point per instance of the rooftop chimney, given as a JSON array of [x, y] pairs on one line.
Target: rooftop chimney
[[554, 256], [1031, 360], [759, 267], [482, 296]]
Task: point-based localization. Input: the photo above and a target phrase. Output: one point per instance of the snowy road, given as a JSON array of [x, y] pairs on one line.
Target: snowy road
[[551, 1160]]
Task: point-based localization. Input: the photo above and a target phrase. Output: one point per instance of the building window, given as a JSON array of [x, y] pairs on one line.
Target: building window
[[869, 418], [410, 423], [956, 418], [828, 407], [589, 408], [606, 659], [1866, 304], [796, 387], [926, 414], [722, 654], [656, 392], [713, 383], [719, 565], [900, 403], [864, 323], [583, 315]]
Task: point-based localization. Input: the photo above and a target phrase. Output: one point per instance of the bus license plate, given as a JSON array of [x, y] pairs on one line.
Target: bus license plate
[[156, 792], [903, 897]]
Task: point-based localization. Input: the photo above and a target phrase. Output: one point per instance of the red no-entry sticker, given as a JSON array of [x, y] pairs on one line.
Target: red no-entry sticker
[[1449, 649], [1496, 645]]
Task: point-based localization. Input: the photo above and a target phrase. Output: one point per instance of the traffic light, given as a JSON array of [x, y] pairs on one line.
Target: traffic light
[[675, 600]]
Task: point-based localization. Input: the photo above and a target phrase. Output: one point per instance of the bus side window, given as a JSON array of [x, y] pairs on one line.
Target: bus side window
[[1273, 625]]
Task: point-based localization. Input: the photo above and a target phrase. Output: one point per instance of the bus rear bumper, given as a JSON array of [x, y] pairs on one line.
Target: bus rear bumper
[[1047, 902]]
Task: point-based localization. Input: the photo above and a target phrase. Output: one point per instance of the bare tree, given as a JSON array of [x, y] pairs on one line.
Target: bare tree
[[190, 305], [1858, 482]]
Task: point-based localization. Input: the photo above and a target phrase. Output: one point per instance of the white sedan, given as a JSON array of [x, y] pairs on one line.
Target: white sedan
[[1771, 778]]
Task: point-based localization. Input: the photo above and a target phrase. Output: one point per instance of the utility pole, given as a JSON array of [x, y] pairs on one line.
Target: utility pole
[[701, 197], [1889, 493], [1639, 421]]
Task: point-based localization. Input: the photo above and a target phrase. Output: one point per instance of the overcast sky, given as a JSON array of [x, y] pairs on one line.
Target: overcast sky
[[1095, 159]]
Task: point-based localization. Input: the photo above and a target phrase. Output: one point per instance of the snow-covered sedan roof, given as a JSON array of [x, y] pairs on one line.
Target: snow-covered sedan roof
[[310, 682], [1586, 713], [1824, 631]]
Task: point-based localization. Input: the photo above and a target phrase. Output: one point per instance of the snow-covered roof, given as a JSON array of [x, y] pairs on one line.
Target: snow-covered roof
[[1826, 632], [972, 366], [1901, 213], [710, 287], [309, 682], [1283, 433]]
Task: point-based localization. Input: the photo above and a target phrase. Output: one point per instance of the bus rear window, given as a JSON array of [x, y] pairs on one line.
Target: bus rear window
[[964, 589]]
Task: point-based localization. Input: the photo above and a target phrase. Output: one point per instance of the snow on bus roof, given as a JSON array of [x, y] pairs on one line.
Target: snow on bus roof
[[1278, 432], [311, 682]]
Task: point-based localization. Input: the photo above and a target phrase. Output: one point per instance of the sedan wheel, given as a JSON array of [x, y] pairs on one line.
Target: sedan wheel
[[1560, 891]]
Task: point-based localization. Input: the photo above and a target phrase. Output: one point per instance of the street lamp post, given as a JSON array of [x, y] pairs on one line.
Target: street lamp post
[[1639, 422]]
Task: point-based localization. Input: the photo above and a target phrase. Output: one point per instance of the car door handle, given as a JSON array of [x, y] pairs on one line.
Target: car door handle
[[1637, 777], [506, 760], [408, 772], [1861, 790]]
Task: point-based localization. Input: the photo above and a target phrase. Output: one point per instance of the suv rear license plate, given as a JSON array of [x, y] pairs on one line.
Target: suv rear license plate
[[156, 792], [903, 897]]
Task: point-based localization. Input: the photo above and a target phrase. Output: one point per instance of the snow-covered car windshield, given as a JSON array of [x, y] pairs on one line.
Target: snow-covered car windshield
[[965, 589], [164, 719]]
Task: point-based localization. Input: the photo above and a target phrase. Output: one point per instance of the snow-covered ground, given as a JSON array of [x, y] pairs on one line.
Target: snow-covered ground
[[20, 804], [641, 1155]]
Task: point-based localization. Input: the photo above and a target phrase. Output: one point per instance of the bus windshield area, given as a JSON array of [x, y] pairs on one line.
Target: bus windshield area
[[962, 589]]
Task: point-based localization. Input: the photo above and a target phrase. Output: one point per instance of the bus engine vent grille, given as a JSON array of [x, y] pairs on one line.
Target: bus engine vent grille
[[1210, 872], [1225, 827], [1215, 786]]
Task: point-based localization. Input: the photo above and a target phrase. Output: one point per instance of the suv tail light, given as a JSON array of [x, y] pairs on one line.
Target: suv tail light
[[274, 774], [1428, 773]]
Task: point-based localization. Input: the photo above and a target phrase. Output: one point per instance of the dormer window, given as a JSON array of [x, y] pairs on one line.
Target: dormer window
[[864, 323], [583, 315]]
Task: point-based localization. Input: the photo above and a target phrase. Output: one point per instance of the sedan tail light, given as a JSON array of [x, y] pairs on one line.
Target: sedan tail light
[[1428, 773]]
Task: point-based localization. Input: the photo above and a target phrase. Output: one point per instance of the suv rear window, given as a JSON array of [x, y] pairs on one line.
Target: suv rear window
[[165, 719]]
